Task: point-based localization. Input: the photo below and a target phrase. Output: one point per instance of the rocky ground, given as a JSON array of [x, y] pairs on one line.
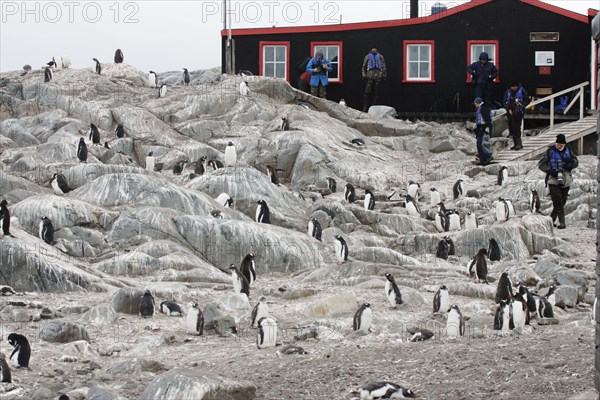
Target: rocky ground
[[124, 227]]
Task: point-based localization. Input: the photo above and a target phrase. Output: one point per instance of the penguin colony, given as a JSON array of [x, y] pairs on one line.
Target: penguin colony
[[513, 312]]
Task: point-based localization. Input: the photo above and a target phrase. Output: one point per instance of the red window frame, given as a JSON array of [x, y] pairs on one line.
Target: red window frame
[[496, 60], [405, 78], [261, 46], [340, 58]]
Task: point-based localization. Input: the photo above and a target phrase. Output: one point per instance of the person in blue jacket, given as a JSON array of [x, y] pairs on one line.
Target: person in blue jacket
[[319, 68], [483, 72], [483, 121], [515, 101]]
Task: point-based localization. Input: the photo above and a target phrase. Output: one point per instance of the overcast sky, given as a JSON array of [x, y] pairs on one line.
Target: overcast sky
[[170, 35]]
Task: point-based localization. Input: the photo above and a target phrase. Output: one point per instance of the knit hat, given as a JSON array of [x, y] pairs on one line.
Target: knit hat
[[560, 139], [484, 56], [319, 54], [478, 100]]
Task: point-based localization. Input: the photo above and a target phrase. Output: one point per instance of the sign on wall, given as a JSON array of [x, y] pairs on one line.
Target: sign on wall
[[544, 58]]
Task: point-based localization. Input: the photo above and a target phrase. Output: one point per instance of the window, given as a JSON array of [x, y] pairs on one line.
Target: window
[[419, 63], [476, 47], [274, 59], [333, 52]]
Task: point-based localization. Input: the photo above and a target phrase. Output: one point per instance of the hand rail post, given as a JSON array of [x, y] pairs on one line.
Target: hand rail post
[[552, 113]]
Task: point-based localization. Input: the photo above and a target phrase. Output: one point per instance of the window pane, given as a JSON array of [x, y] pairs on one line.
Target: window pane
[[269, 53], [334, 73], [332, 52], [413, 70], [280, 56], [413, 53], [424, 70], [425, 53], [280, 70], [269, 69]]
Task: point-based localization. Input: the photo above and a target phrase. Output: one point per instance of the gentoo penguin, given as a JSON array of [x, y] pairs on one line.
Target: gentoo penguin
[[534, 201], [470, 220], [421, 335], [240, 283], [216, 214], [106, 145], [520, 313], [5, 217], [260, 310], [455, 324], [244, 72], [98, 66], [21, 348], [494, 252], [441, 221], [152, 79], [341, 249], [451, 249], [349, 194], [502, 210], [58, 64], [531, 303], [314, 229], [458, 189], [48, 74], [194, 321], [59, 184], [502, 317], [290, 349], [441, 300], [162, 91], [412, 207], [248, 268], [186, 77], [480, 266], [545, 309], [511, 207], [342, 102], [224, 200], [82, 152], [442, 250], [230, 155], [434, 197], [392, 291], [120, 131], [244, 89], [267, 333], [385, 390], [263, 215], [331, 184], [284, 125], [504, 291], [272, 174], [64, 397], [413, 190], [150, 161], [147, 305], [502, 176], [119, 56], [47, 230], [94, 134], [369, 200], [170, 307], [453, 219], [550, 296], [358, 141], [178, 168], [215, 164], [199, 169], [4, 370], [362, 318]]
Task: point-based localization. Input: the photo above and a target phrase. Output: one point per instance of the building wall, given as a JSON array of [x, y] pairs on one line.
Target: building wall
[[508, 21]]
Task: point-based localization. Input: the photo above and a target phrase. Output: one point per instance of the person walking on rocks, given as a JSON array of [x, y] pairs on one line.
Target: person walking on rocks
[[374, 72], [515, 101], [558, 162], [483, 121], [483, 72], [319, 68]]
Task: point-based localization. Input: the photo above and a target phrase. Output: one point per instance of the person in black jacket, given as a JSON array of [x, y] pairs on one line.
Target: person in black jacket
[[483, 72], [558, 162], [515, 101], [483, 121]]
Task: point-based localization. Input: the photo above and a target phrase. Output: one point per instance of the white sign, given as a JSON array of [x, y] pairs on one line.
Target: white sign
[[544, 58]]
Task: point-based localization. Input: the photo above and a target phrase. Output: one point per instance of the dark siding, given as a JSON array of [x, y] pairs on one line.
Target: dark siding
[[508, 21]]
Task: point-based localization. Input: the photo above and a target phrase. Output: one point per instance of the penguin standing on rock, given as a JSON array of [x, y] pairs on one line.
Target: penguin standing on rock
[[494, 250], [451, 249], [349, 193], [534, 201], [178, 167], [260, 310], [453, 219], [362, 318], [272, 174], [502, 210], [545, 309], [150, 162], [224, 200], [314, 229], [369, 200], [263, 215], [240, 283], [98, 66], [244, 88], [550, 296], [199, 169], [414, 190], [47, 230], [230, 155], [147, 305], [530, 299], [48, 75], [502, 317], [470, 221], [21, 349], [502, 176], [434, 197], [82, 152], [194, 321], [441, 221], [120, 131], [119, 56], [504, 291], [520, 313], [458, 189], [285, 124], [152, 79], [341, 249], [186, 77], [248, 268], [5, 370], [480, 266], [392, 292], [94, 134], [162, 91], [455, 324], [442, 250], [59, 184], [331, 184], [441, 300], [412, 207]]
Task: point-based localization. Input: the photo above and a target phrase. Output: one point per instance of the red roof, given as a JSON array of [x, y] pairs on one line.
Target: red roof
[[398, 22]]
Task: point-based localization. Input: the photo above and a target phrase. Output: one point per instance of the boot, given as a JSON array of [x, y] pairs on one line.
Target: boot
[[518, 143], [561, 221], [514, 141]]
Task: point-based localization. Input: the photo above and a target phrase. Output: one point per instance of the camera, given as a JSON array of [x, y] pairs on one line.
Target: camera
[[561, 179]]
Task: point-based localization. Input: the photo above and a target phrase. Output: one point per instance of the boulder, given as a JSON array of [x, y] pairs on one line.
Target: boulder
[[127, 300], [102, 315], [330, 306], [62, 332], [566, 296]]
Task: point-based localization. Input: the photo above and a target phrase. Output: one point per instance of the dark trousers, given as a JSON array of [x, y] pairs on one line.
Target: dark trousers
[[559, 197], [483, 155], [372, 87], [514, 125], [319, 91], [484, 90]]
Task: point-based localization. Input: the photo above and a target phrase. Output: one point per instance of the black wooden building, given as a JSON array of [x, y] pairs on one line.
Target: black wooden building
[[545, 47]]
